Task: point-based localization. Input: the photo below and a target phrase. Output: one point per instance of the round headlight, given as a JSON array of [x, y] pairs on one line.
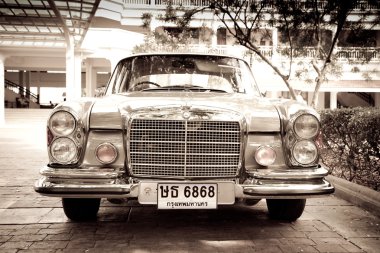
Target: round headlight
[[62, 123], [265, 155], [106, 153], [305, 152], [63, 150], [306, 126]]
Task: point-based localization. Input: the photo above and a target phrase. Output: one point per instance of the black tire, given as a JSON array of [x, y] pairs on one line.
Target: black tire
[[286, 209], [81, 209], [251, 202]]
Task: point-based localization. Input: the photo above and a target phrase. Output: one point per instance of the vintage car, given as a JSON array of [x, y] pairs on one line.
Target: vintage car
[[183, 131]]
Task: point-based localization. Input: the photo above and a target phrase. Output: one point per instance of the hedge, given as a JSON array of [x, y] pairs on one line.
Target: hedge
[[352, 144]]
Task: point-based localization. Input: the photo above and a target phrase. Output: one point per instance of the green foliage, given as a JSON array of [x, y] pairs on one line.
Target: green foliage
[[162, 42], [146, 19], [352, 144]]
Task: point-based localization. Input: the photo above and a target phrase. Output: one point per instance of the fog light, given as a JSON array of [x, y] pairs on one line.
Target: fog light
[[305, 152], [106, 153], [63, 150], [265, 155]]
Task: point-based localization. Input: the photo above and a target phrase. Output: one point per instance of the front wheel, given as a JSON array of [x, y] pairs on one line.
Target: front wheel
[[286, 209], [81, 209]]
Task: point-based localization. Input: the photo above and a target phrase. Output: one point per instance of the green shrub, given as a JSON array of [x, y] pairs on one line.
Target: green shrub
[[352, 144]]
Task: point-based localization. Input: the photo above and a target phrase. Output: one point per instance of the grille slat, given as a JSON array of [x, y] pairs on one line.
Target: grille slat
[[180, 148]]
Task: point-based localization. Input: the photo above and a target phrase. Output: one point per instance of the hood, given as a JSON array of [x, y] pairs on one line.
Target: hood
[[259, 113]]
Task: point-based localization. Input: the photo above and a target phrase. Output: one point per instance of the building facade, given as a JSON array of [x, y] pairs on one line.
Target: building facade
[[116, 29]]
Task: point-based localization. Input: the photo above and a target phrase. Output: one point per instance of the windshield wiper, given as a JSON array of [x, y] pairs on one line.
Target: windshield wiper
[[185, 87]]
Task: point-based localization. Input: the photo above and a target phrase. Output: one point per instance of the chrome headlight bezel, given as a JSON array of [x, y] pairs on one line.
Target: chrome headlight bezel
[[71, 153], [62, 123], [306, 126], [302, 149]]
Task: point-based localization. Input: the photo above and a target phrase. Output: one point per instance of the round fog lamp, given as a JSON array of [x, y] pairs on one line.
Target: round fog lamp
[[63, 150], [265, 155], [305, 152], [106, 153]]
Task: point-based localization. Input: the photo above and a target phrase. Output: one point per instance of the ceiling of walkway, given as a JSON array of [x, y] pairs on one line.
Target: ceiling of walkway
[[45, 22]]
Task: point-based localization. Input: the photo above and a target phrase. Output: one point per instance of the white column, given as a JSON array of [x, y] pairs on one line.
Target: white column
[[73, 72], [309, 97], [91, 78], [377, 99], [333, 100], [214, 38], [321, 100], [2, 96]]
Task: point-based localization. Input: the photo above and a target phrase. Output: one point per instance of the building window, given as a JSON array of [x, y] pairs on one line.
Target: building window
[[358, 38], [221, 36]]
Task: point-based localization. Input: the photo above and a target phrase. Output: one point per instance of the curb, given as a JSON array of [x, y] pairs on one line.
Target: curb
[[356, 194]]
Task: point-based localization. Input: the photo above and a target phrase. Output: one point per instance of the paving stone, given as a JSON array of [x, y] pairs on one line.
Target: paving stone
[[298, 249], [330, 248], [330, 240], [351, 248], [81, 244], [37, 251], [15, 245], [296, 241], [293, 234], [58, 237], [327, 234], [370, 245], [40, 226], [111, 244], [4, 238], [10, 227], [25, 231], [55, 231], [49, 245], [28, 238], [268, 249], [9, 250]]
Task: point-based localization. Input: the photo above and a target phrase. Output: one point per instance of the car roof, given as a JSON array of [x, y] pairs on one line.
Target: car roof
[[185, 54]]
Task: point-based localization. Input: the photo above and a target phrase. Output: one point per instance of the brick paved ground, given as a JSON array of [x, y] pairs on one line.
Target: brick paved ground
[[31, 223]]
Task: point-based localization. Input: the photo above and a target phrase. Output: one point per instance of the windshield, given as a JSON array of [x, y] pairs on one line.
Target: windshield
[[201, 73]]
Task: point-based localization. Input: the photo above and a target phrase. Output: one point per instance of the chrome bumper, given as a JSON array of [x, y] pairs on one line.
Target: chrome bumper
[[83, 183], [109, 183]]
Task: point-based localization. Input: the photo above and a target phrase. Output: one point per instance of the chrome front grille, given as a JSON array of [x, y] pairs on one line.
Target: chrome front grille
[[183, 148]]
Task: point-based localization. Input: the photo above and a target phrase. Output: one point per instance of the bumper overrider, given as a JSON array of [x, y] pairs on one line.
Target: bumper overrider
[[111, 183]]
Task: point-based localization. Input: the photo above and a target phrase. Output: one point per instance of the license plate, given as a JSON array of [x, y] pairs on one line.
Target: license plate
[[187, 196]]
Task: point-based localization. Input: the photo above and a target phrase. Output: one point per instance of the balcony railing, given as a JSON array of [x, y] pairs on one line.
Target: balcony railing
[[362, 54], [360, 5], [343, 53]]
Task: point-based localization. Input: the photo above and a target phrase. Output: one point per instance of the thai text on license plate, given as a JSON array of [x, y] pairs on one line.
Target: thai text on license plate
[[187, 196]]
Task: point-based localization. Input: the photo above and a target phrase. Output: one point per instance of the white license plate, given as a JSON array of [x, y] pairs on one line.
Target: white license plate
[[187, 196]]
